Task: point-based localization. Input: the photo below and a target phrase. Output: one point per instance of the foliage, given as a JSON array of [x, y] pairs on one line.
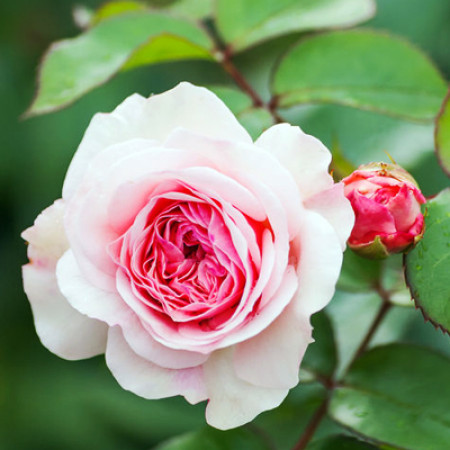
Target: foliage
[[362, 91]]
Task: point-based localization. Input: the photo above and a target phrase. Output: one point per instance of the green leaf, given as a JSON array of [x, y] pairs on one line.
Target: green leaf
[[364, 69], [74, 66], [398, 395], [191, 9], [442, 135], [111, 9], [427, 266], [211, 439], [243, 23], [358, 274], [321, 355], [340, 442], [254, 120], [194, 9]]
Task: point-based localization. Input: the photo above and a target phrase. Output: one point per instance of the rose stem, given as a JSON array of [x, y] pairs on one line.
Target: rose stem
[[224, 56], [321, 412], [311, 428], [228, 65], [384, 308]]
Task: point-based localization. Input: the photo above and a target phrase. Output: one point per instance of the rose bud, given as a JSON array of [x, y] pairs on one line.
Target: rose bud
[[386, 201]]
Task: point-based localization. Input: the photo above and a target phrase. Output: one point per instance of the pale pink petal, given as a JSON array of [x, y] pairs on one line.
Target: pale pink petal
[[334, 206], [145, 346], [105, 129], [319, 263], [303, 155], [62, 329], [187, 106], [148, 380], [273, 308], [87, 298], [232, 401], [46, 238], [248, 165], [272, 358]]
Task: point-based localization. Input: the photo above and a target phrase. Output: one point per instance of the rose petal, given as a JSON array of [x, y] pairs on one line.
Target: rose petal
[[87, 298], [249, 166], [188, 106], [232, 401], [142, 343], [272, 358], [148, 380], [303, 155], [62, 329], [334, 206], [319, 263], [371, 219], [404, 208]]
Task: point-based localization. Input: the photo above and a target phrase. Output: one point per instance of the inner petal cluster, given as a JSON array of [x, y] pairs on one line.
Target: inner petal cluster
[[181, 261]]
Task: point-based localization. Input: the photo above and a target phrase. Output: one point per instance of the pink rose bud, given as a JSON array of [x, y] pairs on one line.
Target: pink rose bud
[[386, 201]]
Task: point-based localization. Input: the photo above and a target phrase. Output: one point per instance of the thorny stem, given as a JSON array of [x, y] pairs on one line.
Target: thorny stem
[[321, 412]]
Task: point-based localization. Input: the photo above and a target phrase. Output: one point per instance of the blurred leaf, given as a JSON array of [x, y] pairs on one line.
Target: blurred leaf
[[211, 439], [427, 266], [398, 395], [79, 405], [321, 355], [191, 9], [363, 69], [194, 9], [254, 120], [364, 135], [358, 274], [74, 66], [116, 8], [235, 99], [442, 135], [243, 23], [285, 424], [340, 442]]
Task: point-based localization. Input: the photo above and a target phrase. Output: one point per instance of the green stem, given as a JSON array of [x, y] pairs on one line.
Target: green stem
[[381, 314], [313, 424]]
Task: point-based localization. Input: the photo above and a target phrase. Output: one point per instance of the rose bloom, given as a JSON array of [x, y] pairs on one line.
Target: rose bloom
[[386, 201], [189, 255]]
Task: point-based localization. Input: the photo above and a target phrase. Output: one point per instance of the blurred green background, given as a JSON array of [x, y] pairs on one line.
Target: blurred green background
[[49, 403]]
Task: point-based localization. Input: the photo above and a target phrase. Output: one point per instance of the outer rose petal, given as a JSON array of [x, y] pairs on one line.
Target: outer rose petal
[[62, 329], [109, 307], [272, 358], [148, 380], [303, 155], [320, 259], [232, 401], [334, 206], [187, 106]]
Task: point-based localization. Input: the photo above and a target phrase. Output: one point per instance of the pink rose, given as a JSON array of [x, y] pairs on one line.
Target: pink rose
[[190, 255], [386, 201]]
